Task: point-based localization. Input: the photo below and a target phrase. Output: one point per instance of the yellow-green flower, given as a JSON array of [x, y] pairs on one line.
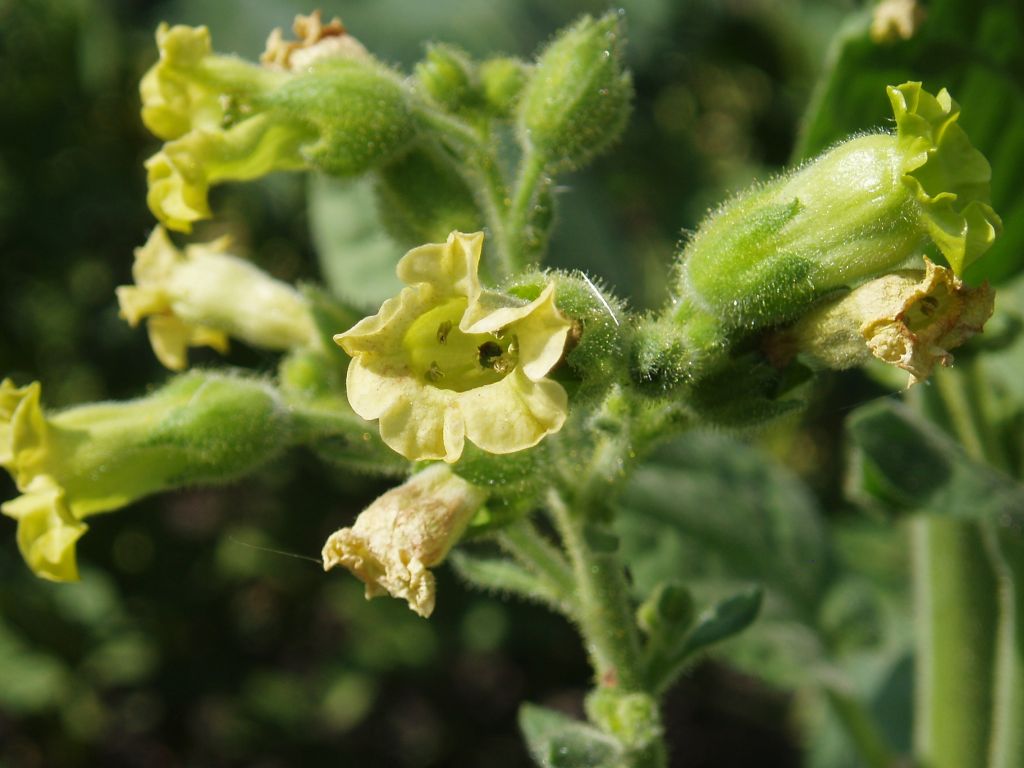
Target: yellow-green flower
[[446, 360], [404, 533], [224, 118], [82, 461], [203, 295]]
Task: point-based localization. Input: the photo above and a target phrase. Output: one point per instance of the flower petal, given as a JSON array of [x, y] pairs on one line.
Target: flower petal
[[371, 393], [948, 175], [47, 531], [513, 414], [450, 268], [420, 427], [171, 338], [540, 328]]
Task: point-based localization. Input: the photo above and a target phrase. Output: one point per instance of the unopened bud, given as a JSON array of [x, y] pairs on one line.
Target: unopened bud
[[578, 98]]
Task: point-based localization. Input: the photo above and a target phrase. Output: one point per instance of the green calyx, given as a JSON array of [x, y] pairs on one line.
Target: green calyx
[[72, 464], [948, 176]]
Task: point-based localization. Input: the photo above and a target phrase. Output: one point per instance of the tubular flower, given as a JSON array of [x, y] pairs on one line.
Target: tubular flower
[[224, 118], [403, 533], [445, 360], [96, 458], [202, 295]]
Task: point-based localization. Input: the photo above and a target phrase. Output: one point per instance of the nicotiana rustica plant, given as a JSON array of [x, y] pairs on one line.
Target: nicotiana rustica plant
[[510, 402]]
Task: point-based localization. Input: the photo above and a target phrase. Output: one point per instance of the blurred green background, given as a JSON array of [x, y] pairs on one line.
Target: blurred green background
[[185, 644]]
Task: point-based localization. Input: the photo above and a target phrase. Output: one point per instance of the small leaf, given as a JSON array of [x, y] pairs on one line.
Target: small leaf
[[558, 741], [727, 618]]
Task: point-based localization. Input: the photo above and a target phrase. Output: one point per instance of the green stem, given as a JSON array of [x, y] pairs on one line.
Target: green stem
[[1006, 749], [605, 613], [475, 161], [955, 616], [526, 236], [538, 555], [964, 397]]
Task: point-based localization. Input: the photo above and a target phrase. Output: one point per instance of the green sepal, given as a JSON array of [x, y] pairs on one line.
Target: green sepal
[[598, 348], [949, 177], [358, 110]]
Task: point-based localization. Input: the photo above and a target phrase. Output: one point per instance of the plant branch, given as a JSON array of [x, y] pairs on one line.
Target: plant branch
[[534, 552], [605, 614]]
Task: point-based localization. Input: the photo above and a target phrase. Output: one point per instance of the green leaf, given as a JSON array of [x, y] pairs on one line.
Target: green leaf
[[974, 50], [905, 462], [357, 259], [723, 620], [727, 618], [706, 505], [558, 741]]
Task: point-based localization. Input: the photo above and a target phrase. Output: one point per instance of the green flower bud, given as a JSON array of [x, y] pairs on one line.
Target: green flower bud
[[96, 458], [226, 119], [578, 98], [446, 75], [864, 208], [421, 199], [502, 81], [632, 717]]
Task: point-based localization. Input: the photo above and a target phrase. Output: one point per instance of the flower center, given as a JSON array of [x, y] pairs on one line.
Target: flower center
[[445, 357]]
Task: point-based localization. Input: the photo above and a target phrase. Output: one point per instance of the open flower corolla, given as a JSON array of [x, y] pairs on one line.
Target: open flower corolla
[[446, 360]]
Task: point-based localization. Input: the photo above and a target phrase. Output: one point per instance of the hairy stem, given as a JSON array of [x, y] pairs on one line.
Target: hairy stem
[[605, 612], [526, 234]]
